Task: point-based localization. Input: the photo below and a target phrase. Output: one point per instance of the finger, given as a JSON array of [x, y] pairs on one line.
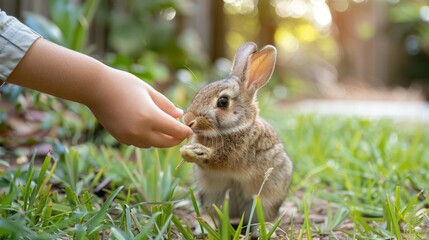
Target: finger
[[161, 140], [165, 123], [165, 104], [170, 126], [140, 144], [151, 139]]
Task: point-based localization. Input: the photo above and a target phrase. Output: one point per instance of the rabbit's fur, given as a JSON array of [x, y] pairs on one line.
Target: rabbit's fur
[[232, 146]]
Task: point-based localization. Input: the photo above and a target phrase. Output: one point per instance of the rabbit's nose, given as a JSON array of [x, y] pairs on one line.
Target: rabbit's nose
[[189, 119], [191, 123]]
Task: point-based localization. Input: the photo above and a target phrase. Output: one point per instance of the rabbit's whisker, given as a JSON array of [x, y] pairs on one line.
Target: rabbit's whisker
[[192, 87], [180, 164]]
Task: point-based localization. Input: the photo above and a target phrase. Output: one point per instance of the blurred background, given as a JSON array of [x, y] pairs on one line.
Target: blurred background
[[356, 50], [327, 48]]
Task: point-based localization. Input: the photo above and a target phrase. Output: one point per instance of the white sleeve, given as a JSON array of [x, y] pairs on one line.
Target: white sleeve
[[15, 40]]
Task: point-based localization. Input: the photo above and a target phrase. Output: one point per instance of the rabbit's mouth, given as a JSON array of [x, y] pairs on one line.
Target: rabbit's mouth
[[197, 132], [206, 133], [197, 123]]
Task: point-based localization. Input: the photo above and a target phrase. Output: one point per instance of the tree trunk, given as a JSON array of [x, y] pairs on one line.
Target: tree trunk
[[361, 35], [268, 21], [218, 30]]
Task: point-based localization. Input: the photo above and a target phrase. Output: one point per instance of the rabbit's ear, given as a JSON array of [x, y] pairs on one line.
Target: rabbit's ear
[[260, 68], [241, 59]]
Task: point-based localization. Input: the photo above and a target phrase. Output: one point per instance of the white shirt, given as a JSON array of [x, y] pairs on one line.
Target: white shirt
[[15, 40]]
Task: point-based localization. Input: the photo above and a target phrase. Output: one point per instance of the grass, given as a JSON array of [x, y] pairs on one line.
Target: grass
[[370, 178]]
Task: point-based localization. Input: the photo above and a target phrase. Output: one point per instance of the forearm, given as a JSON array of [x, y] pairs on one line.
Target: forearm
[[58, 71]]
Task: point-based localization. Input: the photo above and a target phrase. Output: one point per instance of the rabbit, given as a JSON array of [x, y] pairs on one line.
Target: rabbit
[[232, 146]]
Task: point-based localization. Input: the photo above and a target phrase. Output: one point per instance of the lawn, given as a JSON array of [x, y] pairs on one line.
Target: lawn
[[354, 178]]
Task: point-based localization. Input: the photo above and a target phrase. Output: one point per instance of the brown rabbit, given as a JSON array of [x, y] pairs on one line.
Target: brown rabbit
[[232, 146]]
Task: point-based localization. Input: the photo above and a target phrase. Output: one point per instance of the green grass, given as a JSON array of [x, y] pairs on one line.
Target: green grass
[[371, 173]]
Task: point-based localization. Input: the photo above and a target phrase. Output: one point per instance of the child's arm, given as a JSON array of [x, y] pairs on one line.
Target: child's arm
[[131, 110]]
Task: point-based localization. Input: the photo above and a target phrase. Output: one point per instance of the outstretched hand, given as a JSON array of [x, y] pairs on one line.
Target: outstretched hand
[[131, 110], [136, 114]]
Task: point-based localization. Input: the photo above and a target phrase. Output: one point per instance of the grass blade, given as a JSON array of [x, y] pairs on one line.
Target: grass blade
[[80, 233], [307, 219], [261, 219], [27, 190], [397, 201], [164, 228], [127, 219], [292, 227], [99, 216], [411, 203], [197, 210], [176, 221], [225, 218], [72, 198], [15, 230], [249, 224], [39, 183], [86, 198], [212, 233], [144, 233], [391, 218], [239, 229], [119, 234], [276, 224]]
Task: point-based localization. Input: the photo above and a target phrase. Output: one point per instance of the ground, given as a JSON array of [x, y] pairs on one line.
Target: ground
[[325, 149]]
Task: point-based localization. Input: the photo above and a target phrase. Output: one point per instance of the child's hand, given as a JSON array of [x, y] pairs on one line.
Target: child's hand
[[135, 113], [131, 110]]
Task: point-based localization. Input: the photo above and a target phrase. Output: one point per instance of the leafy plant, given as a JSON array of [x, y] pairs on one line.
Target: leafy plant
[[370, 172], [70, 22]]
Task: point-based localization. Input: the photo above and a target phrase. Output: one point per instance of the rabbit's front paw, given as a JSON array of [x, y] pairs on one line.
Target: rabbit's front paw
[[195, 152]]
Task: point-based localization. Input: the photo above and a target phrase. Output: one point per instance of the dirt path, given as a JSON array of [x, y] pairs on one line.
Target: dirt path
[[412, 111]]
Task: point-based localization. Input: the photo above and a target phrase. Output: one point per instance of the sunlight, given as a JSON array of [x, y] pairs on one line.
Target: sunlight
[[240, 6], [286, 40], [306, 33], [169, 13], [293, 8], [340, 5], [315, 10], [424, 13], [321, 14]]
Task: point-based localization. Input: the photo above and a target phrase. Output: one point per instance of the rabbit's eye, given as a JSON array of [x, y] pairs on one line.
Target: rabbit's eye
[[222, 102]]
